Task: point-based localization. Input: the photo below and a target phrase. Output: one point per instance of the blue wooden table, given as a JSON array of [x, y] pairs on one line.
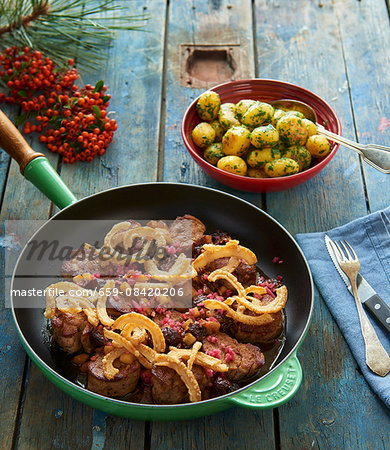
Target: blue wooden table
[[340, 49]]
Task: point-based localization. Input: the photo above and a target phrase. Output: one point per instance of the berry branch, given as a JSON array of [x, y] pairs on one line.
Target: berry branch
[[72, 120]]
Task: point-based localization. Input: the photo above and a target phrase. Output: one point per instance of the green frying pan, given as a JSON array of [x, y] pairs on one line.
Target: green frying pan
[[218, 210]]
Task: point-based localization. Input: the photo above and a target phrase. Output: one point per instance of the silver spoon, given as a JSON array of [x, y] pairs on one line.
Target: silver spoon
[[377, 156]]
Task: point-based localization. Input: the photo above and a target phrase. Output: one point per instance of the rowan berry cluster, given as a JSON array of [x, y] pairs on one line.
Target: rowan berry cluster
[[72, 121]]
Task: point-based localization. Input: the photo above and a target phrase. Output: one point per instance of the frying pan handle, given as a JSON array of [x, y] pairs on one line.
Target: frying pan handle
[[33, 165], [274, 390]]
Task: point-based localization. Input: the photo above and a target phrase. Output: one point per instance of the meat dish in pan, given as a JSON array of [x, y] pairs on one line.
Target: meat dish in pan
[[122, 329]]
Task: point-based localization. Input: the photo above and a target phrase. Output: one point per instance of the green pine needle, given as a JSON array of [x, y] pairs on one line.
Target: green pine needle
[[64, 29]]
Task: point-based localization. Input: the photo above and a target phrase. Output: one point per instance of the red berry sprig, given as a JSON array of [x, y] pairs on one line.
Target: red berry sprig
[[72, 121]]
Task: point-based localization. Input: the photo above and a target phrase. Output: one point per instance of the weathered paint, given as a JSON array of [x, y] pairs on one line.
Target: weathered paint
[[307, 44], [303, 44]]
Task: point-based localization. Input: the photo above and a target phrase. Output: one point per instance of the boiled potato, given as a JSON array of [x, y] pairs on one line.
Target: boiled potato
[[227, 116], [257, 158], [242, 106], [295, 113], [258, 114], [279, 113], [236, 141], [299, 154], [311, 127], [318, 146], [208, 105], [281, 167], [256, 173], [232, 164], [292, 130], [213, 153], [265, 136], [279, 146], [203, 135], [219, 131]]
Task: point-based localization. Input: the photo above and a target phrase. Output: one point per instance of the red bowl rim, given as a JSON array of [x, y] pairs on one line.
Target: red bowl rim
[[260, 181]]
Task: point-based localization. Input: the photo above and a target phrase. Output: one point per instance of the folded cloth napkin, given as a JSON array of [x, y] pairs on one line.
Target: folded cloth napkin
[[369, 236]]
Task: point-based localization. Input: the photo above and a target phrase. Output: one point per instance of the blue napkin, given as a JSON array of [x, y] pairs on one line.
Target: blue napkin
[[369, 236]]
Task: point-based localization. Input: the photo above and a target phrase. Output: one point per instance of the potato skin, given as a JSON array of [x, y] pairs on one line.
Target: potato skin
[[311, 127], [219, 131], [264, 136], [232, 164], [213, 153], [318, 146], [242, 106], [279, 113], [295, 113], [236, 141], [203, 135], [257, 158], [227, 116], [299, 154], [208, 105], [281, 167], [292, 130], [256, 173], [257, 114]]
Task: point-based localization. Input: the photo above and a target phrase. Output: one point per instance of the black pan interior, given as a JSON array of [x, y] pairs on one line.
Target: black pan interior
[[251, 226]]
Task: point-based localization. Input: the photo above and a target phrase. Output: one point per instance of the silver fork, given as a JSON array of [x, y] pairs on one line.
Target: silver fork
[[377, 358]]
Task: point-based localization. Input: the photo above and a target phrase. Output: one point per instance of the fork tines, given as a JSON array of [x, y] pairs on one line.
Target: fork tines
[[341, 254]]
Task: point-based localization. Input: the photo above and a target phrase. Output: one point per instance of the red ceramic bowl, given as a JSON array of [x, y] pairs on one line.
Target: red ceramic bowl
[[264, 90]]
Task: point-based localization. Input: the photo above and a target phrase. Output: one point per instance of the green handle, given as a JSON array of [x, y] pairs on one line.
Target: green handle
[[275, 389], [42, 175]]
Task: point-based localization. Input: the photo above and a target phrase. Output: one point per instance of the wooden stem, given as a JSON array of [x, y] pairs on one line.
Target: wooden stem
[[40, 10]]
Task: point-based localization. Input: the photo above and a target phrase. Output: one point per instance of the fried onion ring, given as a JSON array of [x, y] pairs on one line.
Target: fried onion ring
[[116, 235], [134, 334], [232, 264], [221, 274], [184, 373], [277, 304], [144, 322], [80, 305], [180, 269], [194, 351], [146, 233], [201, 359], [231, 248], [255, 290], [120, 341], [238, 316], [108, 369], [101, 304], [148, 355], [65, 287], [123, 235]]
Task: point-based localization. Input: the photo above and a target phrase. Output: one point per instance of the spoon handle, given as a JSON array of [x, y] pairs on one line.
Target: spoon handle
[[377, 156]]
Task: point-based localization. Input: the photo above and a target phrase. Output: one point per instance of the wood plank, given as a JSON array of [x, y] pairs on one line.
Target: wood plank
[[367, 59], [21, 202], [54, 412], [208, 22], [9, 345], [291, 50], [236, 428], [301, 44], [133, 74]]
